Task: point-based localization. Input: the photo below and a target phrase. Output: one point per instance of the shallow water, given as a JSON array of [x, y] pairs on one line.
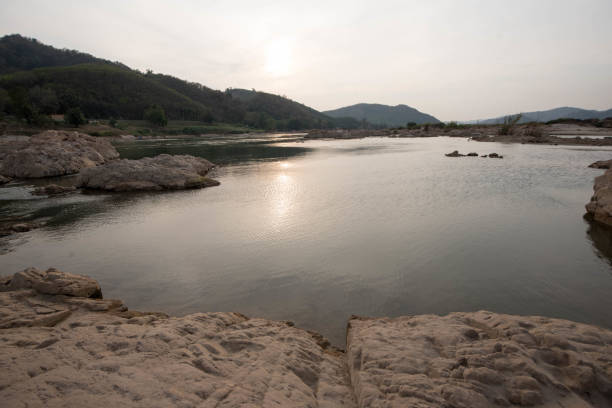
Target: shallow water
[[316, 231]]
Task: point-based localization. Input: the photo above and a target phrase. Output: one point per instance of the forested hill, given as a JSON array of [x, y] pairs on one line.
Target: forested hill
[[19, 53], [379, 114], [37, 79]]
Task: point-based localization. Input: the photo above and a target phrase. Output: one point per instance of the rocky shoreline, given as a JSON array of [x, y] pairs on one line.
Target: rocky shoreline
[[62, 344], [94, 162], [558, 134], [600, 206]]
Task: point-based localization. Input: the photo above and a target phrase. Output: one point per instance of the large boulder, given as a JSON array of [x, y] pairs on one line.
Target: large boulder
[[53, 153], [53, 282], [600, 206], [163, 172], [478, 360]]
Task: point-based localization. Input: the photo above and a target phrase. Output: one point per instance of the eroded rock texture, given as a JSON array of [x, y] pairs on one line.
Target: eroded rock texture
[[63, 345], [600, 206], [53, 153], [72, 351], [163, 172], [479, 359]]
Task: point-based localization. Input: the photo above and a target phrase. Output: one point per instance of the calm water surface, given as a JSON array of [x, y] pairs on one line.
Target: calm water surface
[[316, 231]]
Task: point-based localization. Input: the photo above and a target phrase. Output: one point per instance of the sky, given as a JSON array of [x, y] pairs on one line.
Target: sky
[[454, 59]]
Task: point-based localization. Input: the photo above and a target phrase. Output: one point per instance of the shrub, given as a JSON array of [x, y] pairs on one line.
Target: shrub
[[507, 128], [155, 115], [74, 117]]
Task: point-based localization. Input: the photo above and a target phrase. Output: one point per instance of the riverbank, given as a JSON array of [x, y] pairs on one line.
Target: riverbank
[[63, 344], [555, 134]]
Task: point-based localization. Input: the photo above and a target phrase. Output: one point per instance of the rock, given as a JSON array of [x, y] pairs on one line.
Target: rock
[[53, 153], [4, 180], [163, 172], [454, 154], [601, 164], [19, 226], [53, 189], [600, 206], [472, 154], [54, 282], [56, 351], [59, 350], [430, 361], [495, 156]]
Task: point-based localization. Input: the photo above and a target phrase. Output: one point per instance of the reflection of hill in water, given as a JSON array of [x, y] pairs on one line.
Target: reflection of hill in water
[[601, 237], [217, 151]]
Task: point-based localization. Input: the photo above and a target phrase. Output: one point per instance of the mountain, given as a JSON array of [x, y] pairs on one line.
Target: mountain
[[378, 114], [552, 114], [39, 79], [19, 53]]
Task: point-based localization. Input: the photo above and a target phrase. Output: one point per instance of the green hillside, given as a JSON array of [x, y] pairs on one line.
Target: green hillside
[[19, 53], [38, 80]]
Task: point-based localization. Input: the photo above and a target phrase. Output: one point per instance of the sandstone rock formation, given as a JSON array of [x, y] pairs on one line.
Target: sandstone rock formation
[[69, 351], [600, 206], [477, 360], [53, 153], [61, 347], [601, 164], [163, 172]]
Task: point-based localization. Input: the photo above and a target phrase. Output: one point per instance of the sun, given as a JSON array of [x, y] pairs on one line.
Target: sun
[[278, 58]]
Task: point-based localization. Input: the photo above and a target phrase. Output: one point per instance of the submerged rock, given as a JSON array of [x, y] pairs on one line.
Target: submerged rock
[[495, 156], [53, 153], [53, 189], [4, 180], [601, 164], [11, 227], [472, 154], [600, 206], [454, 154], [163, 172]]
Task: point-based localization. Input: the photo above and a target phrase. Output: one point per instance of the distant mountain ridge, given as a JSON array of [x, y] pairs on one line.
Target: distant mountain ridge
[[379, 114], [565, 112]]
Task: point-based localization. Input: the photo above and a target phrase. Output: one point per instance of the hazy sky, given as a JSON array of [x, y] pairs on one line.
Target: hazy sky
[[454, 59]]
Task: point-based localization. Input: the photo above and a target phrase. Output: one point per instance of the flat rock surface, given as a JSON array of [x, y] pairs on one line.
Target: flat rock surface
[[53, 153], [163, 172], [82, 352], [479, 359], [600, 206], [61, 350]]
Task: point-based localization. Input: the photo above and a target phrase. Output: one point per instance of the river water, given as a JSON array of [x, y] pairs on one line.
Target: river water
[[314, 231]]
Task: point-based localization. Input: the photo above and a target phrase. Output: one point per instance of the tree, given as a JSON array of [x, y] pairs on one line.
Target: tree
[[155, 115], [74, 117], [507, 128]]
